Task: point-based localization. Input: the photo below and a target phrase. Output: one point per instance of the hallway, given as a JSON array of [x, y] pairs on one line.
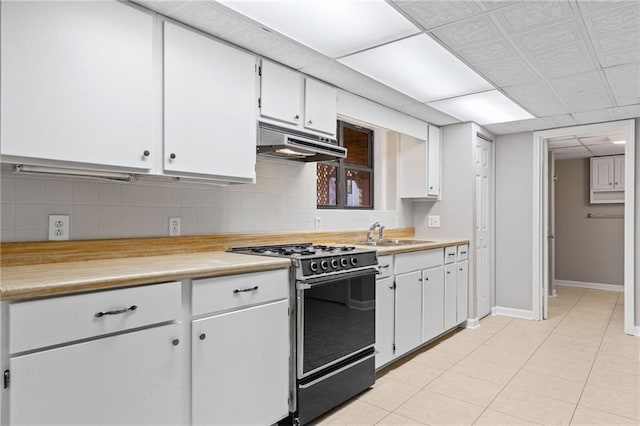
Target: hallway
[[577, 367]]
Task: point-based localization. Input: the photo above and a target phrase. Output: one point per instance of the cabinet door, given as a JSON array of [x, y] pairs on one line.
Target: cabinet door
[[408, 327], [320, 107], [240, 364], [463, 291], [602, 173], [618, 172], [432, 303], [128, 379], [280, 90], [77, 82], [209, 107], [450, 296], [433, 171], [384, 320]]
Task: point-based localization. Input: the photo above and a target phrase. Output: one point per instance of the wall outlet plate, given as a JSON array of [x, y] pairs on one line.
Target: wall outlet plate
[[318, 223], [433, 221], [174, 226], [58, 227]]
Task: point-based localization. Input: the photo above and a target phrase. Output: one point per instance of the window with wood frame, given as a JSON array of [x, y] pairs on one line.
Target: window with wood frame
[[348, 183]]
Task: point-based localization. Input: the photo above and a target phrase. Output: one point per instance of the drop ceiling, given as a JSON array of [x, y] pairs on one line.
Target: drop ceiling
[[587, 145], [565, 62]]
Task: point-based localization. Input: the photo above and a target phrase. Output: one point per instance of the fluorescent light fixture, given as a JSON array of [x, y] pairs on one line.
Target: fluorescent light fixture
[[418, 67], [45, 170], [483, 108], [618, 141], [332, 27]]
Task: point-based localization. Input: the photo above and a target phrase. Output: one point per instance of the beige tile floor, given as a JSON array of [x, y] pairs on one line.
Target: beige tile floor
[[578, 368]]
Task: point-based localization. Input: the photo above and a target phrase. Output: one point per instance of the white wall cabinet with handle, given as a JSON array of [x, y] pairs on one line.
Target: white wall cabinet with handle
[[209, 115], [607, 179], [290, 99], [77, 87], [419, 166]]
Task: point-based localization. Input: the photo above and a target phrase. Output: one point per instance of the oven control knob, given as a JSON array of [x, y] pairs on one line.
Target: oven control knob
[[354, 261], [344, 262], [334, 263], [324, 264], [313, 265]]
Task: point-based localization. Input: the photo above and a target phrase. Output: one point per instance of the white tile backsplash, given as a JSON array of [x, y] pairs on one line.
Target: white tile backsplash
[[283, 199]]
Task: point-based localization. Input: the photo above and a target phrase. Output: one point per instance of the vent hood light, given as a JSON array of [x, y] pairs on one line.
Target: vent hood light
[[332, 27], [619, 142], [490, 107], [289, 151]]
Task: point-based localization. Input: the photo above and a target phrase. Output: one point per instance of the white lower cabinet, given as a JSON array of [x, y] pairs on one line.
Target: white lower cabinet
[[433, 289], [408, 324], [450, 295], [127, 379], [384, 320]]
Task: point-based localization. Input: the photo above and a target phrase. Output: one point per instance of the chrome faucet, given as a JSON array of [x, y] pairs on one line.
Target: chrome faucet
[[373, 228]]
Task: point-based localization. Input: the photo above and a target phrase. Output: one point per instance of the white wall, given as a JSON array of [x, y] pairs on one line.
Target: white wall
[[514, 204]]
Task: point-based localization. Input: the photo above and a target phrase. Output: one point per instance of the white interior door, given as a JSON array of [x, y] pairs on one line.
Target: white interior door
[[482, 158]]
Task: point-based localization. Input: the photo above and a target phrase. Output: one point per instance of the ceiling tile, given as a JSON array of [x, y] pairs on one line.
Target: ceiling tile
[[592, 6], [624, 81], [563, 143], [532, 15], [506, 72], [595, 140], [617, 49], [622, 113], [430, 14], [496, 4], [562, 60], [519, 126], [297, 56], [583, 92], [495, 51], [570, 156], [210, 17], [597, 116], [572, 149], [607, 149], [537, 98], [619, 20], [471, 32], [259, 40], [562, 120], [549, 37], [164, 7]]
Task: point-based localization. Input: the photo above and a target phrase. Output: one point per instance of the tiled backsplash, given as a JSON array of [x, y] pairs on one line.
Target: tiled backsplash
[[283, 199]]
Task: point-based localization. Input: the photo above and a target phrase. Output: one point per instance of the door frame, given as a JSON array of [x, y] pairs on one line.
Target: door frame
[[540, 271]]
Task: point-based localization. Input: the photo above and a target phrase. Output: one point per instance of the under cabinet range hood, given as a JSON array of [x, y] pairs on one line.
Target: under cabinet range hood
[[292, 144]]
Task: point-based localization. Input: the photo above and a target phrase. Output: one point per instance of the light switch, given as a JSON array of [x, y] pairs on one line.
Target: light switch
[[434, 221]]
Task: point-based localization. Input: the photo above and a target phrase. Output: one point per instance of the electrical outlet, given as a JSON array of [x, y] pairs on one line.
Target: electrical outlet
[[434, 221], [174, 226], [318, 223], [58, 227]]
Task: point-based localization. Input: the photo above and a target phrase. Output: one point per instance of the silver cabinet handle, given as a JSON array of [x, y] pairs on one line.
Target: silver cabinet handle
[[383, 266], [244, 290], [310, 122], [116, 311]]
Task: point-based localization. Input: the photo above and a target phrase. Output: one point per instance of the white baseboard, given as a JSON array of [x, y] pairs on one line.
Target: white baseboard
[[471, 323], [554, 294], [636, 330], [594, 286], [511, 312]]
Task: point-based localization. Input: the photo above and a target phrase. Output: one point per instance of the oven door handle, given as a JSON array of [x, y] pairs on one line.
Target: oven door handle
[[311, 282], [338, 371]]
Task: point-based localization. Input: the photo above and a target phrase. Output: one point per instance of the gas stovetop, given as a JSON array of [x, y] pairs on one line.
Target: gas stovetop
[[312, 260]]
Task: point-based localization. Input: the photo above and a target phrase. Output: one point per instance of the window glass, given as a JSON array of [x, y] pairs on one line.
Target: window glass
[[358, 188], [327, 184]]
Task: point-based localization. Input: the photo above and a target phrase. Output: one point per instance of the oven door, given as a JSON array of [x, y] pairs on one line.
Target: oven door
[[336, 319]]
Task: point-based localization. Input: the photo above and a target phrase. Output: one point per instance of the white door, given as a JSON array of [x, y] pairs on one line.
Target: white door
[[408, 311], [602, 173], [129, 379], [209, 107], [77, 82], [280, 93], [482, 158], [432, 303], [450, 295], [618, 172], [240, 364], [320, 107], [384, 320]]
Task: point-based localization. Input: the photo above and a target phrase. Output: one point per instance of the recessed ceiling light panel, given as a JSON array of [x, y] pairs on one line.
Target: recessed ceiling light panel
[[418, 67], [332, 27], [490, 107]]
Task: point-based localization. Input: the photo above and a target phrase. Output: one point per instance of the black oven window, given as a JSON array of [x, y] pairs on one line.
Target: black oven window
[[348, 183]]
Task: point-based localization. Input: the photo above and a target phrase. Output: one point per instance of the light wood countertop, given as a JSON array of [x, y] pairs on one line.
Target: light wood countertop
[[425, 245], [50, 279]]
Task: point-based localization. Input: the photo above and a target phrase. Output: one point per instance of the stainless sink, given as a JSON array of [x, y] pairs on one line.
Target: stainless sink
[[387, 243]]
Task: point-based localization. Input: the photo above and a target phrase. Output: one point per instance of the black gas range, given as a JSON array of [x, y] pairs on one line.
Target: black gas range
[[332, 301]]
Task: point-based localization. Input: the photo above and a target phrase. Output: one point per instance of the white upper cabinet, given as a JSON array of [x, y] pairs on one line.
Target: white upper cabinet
[[76, 84], [290, 99], [607, 179], [419, 166], [602, 173], [209, 108], [320, 106], [280, 94], [618, 172]]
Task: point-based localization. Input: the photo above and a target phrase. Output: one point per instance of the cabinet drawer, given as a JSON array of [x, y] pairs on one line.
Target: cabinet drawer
[[234, 291], [463, 252], [407, 262], [385, 265], [450, 254], [56, 320]]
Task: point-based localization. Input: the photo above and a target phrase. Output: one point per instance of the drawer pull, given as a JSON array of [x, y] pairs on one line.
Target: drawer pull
[[463, 252], [383, 266], [117, 311], [452, 254], [244, 290]]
